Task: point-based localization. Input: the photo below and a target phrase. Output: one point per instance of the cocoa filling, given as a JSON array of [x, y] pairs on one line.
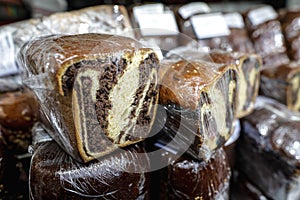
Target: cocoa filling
[[95, 141], [109, 78], [247, 67], [144, 119], [69, 76]]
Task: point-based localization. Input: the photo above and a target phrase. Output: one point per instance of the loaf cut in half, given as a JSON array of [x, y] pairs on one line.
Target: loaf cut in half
[[282, 83], [99, 92], [199, 99], [248, 66]]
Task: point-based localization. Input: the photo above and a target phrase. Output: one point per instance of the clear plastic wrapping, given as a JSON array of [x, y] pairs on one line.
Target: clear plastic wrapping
[[18, 112], [56, 175], [267, 35], [98, 92], [247, 65], [282, 83], [198, 99], [187, 178], [291, 29], [183, 14], [269, 151], [237, 38], [155, 25], [107, 19]]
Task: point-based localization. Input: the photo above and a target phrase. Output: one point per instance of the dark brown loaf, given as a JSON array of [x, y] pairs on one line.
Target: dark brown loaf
[[199, 99], [291, 31], [268, 150], [55, 175], [99, 91], [192, 179], [18, 112], [282, 83], [267, 36]]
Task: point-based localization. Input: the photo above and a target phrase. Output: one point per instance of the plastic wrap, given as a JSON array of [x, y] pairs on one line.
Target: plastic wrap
[[248, 67], [10, 83], [267, 35], [99, 19], [187, 178], [268, 149], [198, 99], [238, 39], [56, 175], [291, 29], [282, 83], [155, 25], [98, 92], [18, 112], [183, 15], [235, 39]]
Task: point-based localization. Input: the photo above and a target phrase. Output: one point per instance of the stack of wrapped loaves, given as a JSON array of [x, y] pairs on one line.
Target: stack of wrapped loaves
[[151, 101]]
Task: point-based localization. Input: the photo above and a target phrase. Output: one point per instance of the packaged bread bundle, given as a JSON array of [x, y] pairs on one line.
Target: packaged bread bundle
[[291, 30], [56, 175], [268, 149], [282, 83], [183, 15], [98, 92], [267, 35], [196, 21], [248, 66], [104, 19], [238, 40], [198, 98], [188, 178], [155, 25]]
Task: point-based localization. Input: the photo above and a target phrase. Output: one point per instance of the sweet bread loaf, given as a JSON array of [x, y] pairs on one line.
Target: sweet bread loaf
[[248, 66], [269, 143], [291, 32], [266, 33], [199, 99], [98, 91], [282, 83], [55, 175], [187, 178]]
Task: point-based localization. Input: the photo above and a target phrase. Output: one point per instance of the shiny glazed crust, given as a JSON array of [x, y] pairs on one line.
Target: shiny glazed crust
[[66, 59]]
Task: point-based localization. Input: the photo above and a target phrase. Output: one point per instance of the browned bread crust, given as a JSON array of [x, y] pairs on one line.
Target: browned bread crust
[[94, 84]]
